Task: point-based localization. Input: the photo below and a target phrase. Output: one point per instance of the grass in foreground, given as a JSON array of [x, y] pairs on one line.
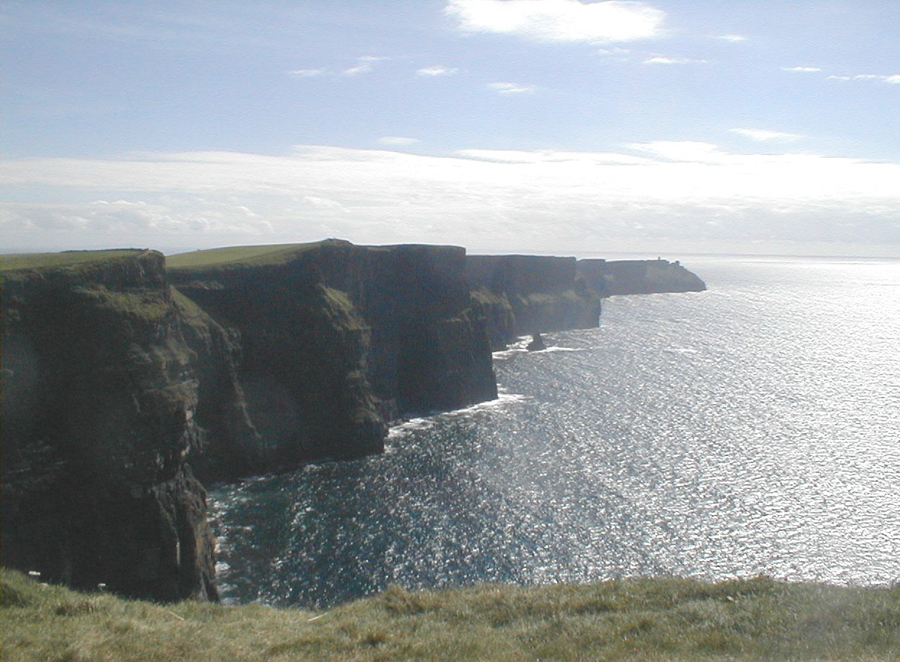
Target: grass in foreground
[[642, 619]]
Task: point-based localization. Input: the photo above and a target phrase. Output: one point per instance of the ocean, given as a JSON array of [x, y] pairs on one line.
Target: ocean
[[750, 429]]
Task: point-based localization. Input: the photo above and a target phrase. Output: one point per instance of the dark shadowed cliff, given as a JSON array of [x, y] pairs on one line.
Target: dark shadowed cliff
[[618, 277], [337, 340], [100, 396], [525, 294], [118, 388], [115, 384]]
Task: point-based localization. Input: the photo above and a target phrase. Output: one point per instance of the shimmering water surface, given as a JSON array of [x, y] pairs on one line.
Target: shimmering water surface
[[753, 428]]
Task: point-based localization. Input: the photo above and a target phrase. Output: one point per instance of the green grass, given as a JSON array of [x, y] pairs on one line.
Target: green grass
[[641, 619], [485, 296], [340, 310], [15, 262], [244, 255], [148, 306]]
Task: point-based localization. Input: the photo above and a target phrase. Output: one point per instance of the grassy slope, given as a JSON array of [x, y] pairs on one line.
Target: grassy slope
[[645, 619], [15, 262], [249, 255]]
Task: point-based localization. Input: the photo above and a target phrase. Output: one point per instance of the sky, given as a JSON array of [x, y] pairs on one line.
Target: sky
[[664, 127]]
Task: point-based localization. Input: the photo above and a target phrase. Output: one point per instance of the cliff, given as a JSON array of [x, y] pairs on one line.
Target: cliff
[[99, 403], [336, 341], [526, 294], [118, 388], [638, 276], [115, 385]]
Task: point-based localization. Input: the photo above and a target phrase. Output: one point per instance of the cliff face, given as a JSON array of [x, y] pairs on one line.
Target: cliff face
[[431, 350], [264, 357], [100, 396], [638, 276], [221, 400], [338, 339], [113, 381], [301, 364], [523, 294]]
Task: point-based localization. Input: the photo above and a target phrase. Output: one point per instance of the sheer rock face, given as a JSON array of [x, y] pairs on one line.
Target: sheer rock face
[[526, 294], [618, 277], [337, 340], [430, 347], [100, 396], [301, 366], [113, 381]]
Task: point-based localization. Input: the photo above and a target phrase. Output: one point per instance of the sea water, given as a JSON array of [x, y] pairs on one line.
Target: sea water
[[750, 429]]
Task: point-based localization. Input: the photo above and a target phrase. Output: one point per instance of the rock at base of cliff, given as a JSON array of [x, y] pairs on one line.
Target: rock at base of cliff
[[536, 344]]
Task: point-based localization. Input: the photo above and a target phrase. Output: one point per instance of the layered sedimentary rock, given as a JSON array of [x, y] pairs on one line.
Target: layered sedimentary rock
[[337, 340], [99, 409], [526, 294], [619, 277]]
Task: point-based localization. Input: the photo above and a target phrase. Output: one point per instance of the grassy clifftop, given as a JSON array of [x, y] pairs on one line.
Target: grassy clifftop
[[240, 255], [644, 619], [15, 262]]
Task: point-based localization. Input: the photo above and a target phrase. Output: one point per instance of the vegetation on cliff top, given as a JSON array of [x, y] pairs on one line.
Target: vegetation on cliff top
[[640, 619], [245, 255], [18, 261]]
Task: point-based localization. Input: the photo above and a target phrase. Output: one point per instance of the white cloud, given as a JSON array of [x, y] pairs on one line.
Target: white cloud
[[683, 150], [763, 135], [892, 79], [559, 20], [542, 200], [512, 88], [321, 204], [802, 69], [614, 52], [364, 65], [551, 156], [133, 222], [397, 141], [436, 70], [659, 59], [306, 73], [733, 38]]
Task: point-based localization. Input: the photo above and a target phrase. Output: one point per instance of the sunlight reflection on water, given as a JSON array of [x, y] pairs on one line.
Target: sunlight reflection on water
[[749, 429]]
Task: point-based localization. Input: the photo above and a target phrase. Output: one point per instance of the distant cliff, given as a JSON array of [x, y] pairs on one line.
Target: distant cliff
[[525, 294], [336, 341], [618, 277]]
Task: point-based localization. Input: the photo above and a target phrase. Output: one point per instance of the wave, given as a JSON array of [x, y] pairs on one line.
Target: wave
[[418, 424]]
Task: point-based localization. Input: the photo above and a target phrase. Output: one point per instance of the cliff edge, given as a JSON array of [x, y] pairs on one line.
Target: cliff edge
[[336, 340], [618, 277], [99, 403], [528, 294], [123, 378]]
